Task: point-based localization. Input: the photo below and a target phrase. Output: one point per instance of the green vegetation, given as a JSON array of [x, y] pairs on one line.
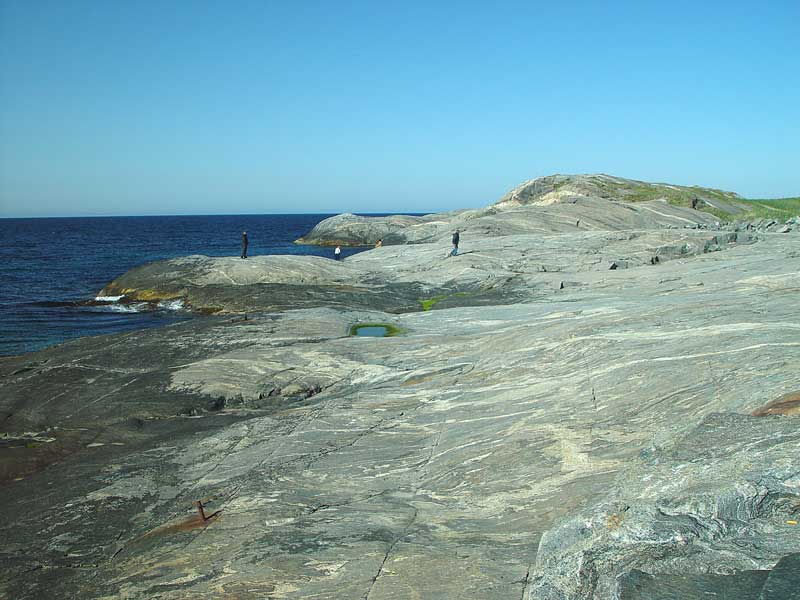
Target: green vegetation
[[720, 214], [391, 330], [779, 209], [725, 206], [677, 195], [753, 209], [559, 184], [729, 206], [428, 304]]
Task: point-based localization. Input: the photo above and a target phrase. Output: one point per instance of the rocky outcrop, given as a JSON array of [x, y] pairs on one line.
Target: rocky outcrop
[[558, 203], [499, 270], [559, 189], [351, 230], [766, 225], [590, 414], [722, 498]]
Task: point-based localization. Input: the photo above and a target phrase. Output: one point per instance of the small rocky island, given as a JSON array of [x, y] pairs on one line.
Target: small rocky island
[[597, 398]]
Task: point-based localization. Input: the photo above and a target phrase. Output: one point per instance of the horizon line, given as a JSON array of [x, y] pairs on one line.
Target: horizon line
[[216, 215]]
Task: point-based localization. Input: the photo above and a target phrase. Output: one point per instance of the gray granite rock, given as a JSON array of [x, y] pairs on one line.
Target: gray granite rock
[[496, 270], [778, 584], [740, 585], [546, 425], [557, 203], [349, 229], [718, 500], [782, 582]]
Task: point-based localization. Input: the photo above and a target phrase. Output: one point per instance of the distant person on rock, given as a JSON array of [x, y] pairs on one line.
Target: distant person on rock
[[379, 243], [456, 238], [244, 244], [337, 254]]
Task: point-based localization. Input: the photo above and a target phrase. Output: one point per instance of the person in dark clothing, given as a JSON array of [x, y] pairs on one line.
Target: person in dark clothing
[[244, 244], [456, 238]]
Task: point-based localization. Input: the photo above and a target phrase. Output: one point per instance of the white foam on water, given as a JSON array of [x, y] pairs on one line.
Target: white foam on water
[[171, 305], [108, 298], [128, 308]]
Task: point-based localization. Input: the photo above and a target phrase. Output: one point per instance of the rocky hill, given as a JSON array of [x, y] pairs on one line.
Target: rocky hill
[[553, 204], [594, 412], [558, 189]]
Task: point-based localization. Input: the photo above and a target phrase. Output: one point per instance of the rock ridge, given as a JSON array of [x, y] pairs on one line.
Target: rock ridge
[[591, 411], [555, 203]]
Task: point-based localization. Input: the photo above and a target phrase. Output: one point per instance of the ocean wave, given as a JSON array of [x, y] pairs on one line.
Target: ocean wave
[[138, 307], [171, 305], [135, 307], [108, 298]]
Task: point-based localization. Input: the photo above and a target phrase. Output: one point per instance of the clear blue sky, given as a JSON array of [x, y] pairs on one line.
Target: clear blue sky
[[181, 107]]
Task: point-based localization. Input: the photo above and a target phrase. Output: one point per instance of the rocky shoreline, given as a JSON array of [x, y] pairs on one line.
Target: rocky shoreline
[[568, 413]]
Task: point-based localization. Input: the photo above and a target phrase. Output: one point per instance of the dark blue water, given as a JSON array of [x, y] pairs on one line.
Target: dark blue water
[[48, 266]]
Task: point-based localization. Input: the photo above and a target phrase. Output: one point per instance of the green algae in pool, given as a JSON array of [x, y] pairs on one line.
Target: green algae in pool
[[374, 330]]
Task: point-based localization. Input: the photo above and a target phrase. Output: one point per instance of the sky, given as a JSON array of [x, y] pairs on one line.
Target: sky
[[199, 107]]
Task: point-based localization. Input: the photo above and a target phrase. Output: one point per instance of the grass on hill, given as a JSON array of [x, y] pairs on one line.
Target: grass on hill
[[779, 209], [681, 195], [677, 195]]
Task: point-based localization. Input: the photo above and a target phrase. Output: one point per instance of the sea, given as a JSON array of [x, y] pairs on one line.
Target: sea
[[52, 269]]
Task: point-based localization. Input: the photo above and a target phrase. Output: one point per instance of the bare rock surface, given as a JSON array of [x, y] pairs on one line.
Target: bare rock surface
[[704, 502], [556, 203], [496, 270], [352, 230], [551, 428], [557, 189]]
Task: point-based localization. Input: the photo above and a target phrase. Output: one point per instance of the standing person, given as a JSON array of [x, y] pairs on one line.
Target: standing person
[[244, 244], [337, 254], [456, 238], [380, 243]]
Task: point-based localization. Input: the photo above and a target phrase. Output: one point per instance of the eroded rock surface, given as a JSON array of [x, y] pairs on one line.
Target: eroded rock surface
[[552, 428], [496, 270], [556, 203], [718, 500]]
